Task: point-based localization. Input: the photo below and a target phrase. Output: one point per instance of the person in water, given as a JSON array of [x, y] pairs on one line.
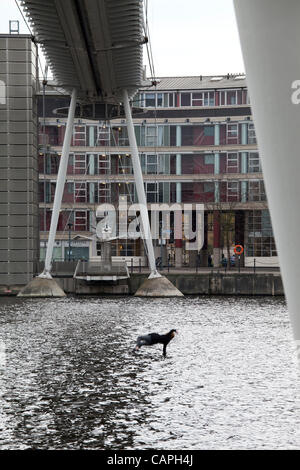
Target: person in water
[[155, 338]]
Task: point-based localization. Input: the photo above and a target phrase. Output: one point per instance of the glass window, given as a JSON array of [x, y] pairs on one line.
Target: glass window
[[254, 165], [79, 136], [159, 100], [209, 159], [231, 97], [79, 164], [152, 192], [232, 162], [185, 99], [260, 240], [149, 100], [151, 136], [251, 134], [209, 131], [197, 99], [151, 164], [232, 133], [208, 187], [232, 191]]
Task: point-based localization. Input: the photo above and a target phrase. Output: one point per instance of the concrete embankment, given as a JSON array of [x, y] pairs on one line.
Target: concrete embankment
[[201, 283], [209, 283]]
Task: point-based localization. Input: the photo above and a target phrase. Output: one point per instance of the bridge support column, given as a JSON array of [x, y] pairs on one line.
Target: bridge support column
[[270, 35], [44, 285], [156, 285]]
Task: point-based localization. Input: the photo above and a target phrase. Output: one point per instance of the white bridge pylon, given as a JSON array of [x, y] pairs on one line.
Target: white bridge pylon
[[270, 40]]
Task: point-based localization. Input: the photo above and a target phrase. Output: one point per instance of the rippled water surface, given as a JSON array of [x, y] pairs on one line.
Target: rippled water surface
[[69, 378]]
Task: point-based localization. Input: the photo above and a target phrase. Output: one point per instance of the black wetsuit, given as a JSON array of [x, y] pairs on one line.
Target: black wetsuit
[[155, 338]]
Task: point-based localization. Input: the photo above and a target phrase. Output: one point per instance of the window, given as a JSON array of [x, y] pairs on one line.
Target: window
[[208, 187], [231, 97], [150, 100], [124, 164], [232, 133], [260, 240], [232, 162], [79, 134], [151, 136], [103, 164], [254, 163], [185, 99], [79, 164], [171, 100], [152, 192], [256, 191], [80, 191], [209, 131], [232, 190], [103, 135], [103, 192], [80, 221], [209, 159], [151, 164], [205, 98], [251, 134], [159, 97]]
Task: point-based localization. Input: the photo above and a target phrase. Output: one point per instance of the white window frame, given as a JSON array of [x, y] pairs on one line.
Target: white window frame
[[79, 135], [254, 165], [251, 134], [233, 190], [232, 134], [76, 217], [80, 192], [80, 163], [149, 137], [232, 162], [103, 158]]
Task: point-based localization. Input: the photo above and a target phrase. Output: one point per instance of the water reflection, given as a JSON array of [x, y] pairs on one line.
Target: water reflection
[[71, 381]]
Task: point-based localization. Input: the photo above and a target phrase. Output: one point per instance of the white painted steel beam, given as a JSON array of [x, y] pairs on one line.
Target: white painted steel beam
[[270, 39], [60, 184], [138, 176]]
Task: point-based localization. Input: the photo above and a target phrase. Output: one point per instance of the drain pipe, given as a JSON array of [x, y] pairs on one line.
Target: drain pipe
[[138, 176], [60, 183]]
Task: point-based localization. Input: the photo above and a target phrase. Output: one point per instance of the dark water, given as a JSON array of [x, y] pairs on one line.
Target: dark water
[[69, 379]]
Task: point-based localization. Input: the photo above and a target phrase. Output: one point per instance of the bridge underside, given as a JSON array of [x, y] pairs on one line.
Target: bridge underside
[[94, 46]]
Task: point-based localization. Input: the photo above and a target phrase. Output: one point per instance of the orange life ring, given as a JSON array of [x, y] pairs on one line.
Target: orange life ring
[[238, 249]]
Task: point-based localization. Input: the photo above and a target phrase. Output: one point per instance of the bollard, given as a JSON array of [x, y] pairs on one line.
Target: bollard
[[131, 265], [254, 265], [239, 264], [140, 265]]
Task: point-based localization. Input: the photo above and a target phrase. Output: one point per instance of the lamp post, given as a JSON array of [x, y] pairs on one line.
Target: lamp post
[[70, 227]]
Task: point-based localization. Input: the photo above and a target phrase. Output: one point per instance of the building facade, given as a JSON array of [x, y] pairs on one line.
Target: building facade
[[197, 144], [19, 205]]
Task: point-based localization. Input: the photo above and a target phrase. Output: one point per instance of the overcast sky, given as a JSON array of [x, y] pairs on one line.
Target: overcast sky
[[191, 37]]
